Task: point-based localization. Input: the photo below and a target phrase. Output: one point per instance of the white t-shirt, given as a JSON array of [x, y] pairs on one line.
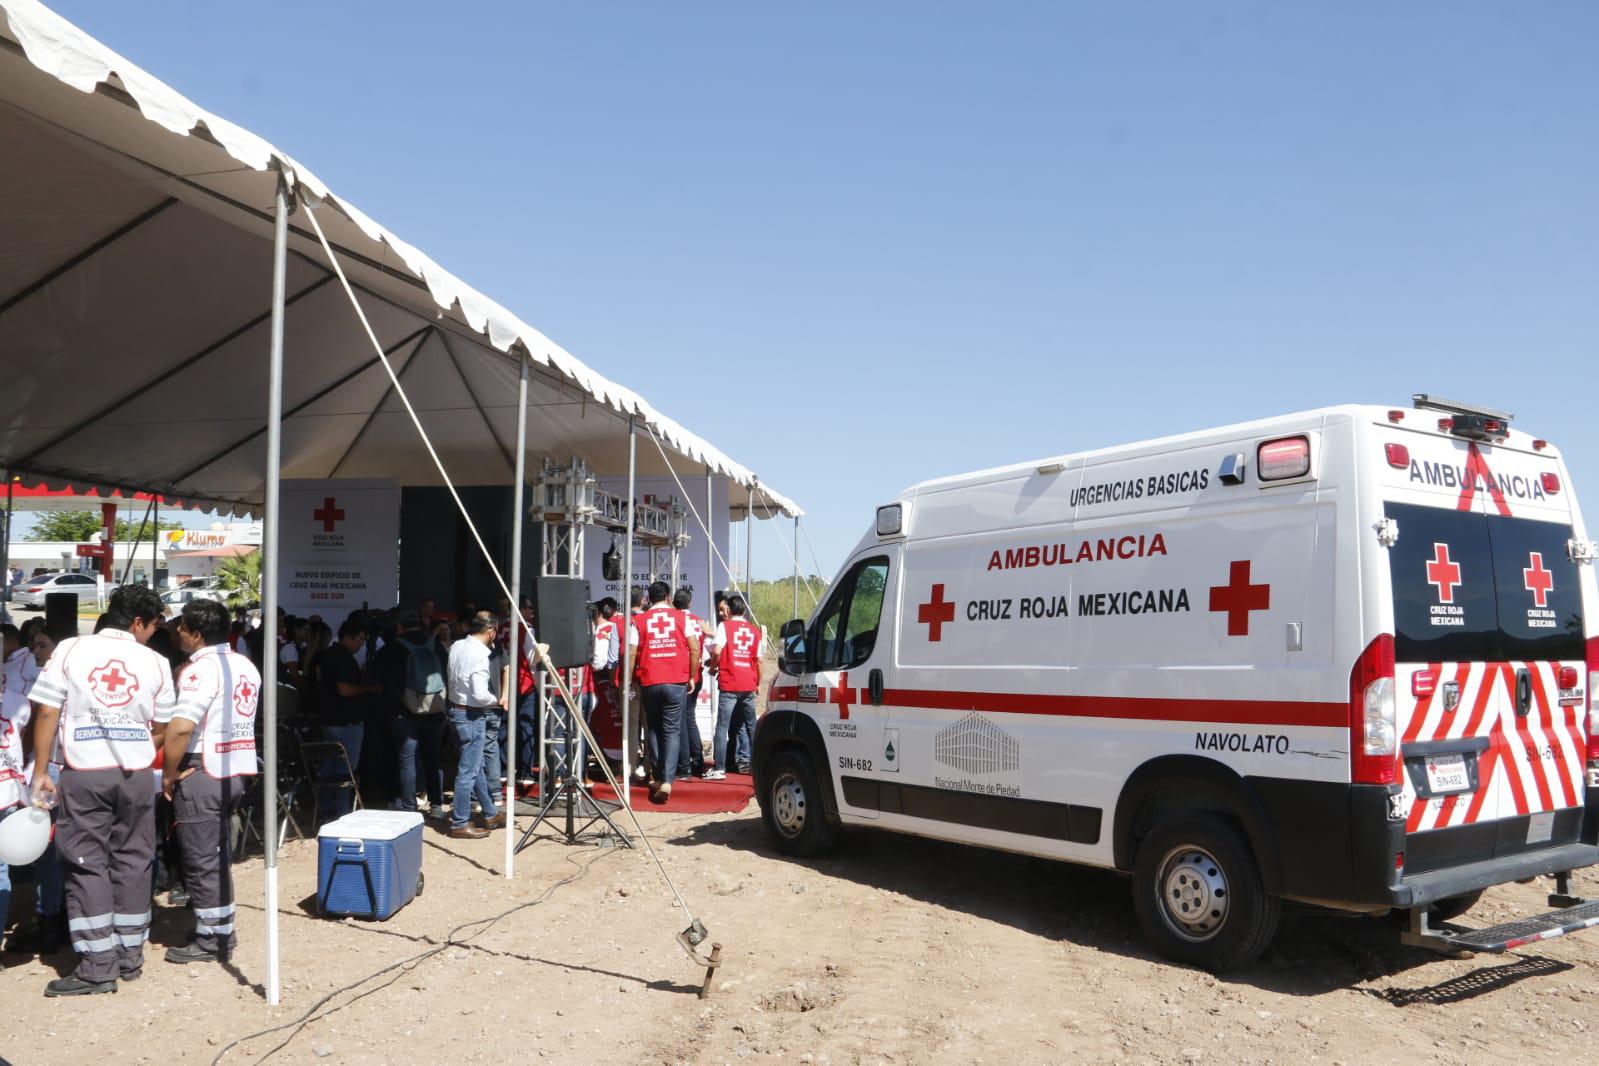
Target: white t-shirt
[[289, 653], [20, 671]]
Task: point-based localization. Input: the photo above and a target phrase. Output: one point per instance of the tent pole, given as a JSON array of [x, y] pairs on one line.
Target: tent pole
[[516, 620], [5, 543], [749, 550], [269, 582], [796, 613], [626, 682], [155, 526], [710, 556]]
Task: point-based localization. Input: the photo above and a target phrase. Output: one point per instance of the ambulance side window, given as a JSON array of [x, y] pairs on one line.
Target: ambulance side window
[[846, 632]]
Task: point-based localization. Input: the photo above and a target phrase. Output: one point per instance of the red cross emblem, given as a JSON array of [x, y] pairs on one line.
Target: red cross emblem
[[1238, 597], [935, 613], [660, 624], [112, 684], [1538, 581], [1443, 573], [743, 640], [328, 514], [841, 696], [244, 697]]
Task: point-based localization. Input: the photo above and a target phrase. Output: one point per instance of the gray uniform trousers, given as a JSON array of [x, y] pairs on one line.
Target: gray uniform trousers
[[105, 836], [201, 808]]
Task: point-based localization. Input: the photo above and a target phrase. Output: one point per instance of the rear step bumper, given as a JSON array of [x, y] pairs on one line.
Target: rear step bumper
[[1504, 937], [1419, 889]]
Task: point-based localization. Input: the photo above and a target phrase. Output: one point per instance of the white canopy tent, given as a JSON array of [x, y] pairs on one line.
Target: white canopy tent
[[160, 309], [134, 311]]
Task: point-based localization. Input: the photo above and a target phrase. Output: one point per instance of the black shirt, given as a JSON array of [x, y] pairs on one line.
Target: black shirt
[[337, 665]]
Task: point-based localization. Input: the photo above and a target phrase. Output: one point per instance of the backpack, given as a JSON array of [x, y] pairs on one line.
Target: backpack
[[424, 679]]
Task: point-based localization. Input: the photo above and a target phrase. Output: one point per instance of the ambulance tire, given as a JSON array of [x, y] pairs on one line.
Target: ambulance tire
[[1447, 910], [1198, 894], [792, 808]]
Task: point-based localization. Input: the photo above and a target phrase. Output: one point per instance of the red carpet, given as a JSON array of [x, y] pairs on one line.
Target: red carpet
[[690, 795]]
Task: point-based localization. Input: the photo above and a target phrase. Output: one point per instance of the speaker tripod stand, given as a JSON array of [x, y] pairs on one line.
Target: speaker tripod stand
[[561, 792]]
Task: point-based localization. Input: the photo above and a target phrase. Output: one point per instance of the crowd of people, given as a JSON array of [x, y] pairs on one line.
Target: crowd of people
[[143, 737]]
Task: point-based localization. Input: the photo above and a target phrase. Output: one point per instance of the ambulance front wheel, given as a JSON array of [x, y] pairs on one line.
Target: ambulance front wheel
[[792, 806], [1198, 894]]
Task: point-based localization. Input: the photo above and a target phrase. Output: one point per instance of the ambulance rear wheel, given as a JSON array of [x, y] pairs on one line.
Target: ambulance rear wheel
[[1198, 894], [792, 806], [1447, 910]]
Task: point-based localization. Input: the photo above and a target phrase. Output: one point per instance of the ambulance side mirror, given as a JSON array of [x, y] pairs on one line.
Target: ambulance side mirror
[[793, 659]]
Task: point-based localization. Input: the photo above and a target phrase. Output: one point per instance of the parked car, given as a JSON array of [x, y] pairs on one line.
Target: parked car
[[31, 593]]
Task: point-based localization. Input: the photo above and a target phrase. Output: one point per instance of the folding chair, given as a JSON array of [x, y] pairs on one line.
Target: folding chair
[[322, 760], [291, 774]]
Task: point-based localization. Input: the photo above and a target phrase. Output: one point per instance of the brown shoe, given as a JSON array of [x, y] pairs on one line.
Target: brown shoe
[[497, 822], [662, 794], [468, 832]]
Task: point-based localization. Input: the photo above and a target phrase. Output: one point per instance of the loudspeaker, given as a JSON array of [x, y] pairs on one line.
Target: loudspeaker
[[561, 619], [61, 614]]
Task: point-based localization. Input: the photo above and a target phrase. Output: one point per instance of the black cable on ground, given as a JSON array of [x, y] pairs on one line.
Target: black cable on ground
[[398, 969]]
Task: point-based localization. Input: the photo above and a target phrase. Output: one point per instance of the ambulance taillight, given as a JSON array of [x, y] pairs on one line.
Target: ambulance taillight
[[1373, 721], [1593, 709]]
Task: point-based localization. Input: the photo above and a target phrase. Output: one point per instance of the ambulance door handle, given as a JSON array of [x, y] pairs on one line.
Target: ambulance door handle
[[1523, 692], [874, 687]]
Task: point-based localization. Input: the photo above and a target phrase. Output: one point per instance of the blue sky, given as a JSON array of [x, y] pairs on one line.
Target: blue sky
[[861, 245]]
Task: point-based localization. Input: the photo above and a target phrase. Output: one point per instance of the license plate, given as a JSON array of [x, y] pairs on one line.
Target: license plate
[[1447, 773], [1541, 827]]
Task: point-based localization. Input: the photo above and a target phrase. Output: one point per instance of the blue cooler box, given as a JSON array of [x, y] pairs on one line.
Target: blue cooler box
[[369, 863]]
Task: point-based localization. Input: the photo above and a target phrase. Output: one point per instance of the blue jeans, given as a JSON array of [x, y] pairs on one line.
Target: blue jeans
[[735, 711], [470, 780], [691, 756], [341, 801], [5, 893], [419, 739], [494, 727], [527, 734], [663, 716]]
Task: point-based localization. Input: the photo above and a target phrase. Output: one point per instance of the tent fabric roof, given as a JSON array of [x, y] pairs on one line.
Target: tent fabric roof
[[134, 285]]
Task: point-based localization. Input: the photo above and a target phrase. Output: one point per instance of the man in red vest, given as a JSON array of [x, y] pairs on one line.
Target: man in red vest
[[738, 646], [666, 661]]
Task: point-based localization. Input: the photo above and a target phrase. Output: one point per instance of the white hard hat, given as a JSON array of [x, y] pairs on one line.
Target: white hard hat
[[24, 834]]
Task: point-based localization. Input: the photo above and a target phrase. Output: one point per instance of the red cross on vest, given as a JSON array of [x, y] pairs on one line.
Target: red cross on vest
[[1238, 597], [841, 696], [1443, 573], [660, 624], [1538, 581], [935, 613], [328, 514], [744, 640], [112, 683], [244, 694]]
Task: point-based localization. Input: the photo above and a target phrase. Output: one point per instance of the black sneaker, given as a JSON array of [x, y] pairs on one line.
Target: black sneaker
[[744, 768], [73, 986], [192, 953], [178, 897]]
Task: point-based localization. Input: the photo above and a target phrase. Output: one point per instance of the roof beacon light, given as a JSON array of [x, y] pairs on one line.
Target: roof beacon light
[[1283, 458], [1467, 420]]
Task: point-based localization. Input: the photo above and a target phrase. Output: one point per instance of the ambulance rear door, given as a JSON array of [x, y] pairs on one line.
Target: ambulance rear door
[[849, 649], [1487, 611]]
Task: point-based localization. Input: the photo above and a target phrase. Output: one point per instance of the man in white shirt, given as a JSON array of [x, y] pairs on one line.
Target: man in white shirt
[[471, 697], [99, 696], [208, 756]]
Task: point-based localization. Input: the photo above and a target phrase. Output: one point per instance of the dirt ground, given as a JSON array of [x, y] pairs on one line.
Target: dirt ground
[[894, 949]]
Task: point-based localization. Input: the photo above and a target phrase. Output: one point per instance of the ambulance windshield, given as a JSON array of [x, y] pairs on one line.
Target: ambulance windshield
[[1470, 587]]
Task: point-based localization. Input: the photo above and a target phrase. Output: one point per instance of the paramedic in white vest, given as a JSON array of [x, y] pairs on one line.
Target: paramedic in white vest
[[102, 695], [666, 662], [737, 646], [208, 758]]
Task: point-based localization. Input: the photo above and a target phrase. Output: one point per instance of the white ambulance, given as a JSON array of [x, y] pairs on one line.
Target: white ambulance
[[1341, 657]]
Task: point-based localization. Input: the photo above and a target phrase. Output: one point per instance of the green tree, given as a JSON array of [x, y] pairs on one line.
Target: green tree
[[240, 580], [79, 526]]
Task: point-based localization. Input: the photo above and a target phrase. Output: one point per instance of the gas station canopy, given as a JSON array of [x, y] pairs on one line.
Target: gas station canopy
[[135, 258]]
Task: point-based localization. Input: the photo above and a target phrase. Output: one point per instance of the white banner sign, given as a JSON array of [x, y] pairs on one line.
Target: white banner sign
[[338, 547]]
